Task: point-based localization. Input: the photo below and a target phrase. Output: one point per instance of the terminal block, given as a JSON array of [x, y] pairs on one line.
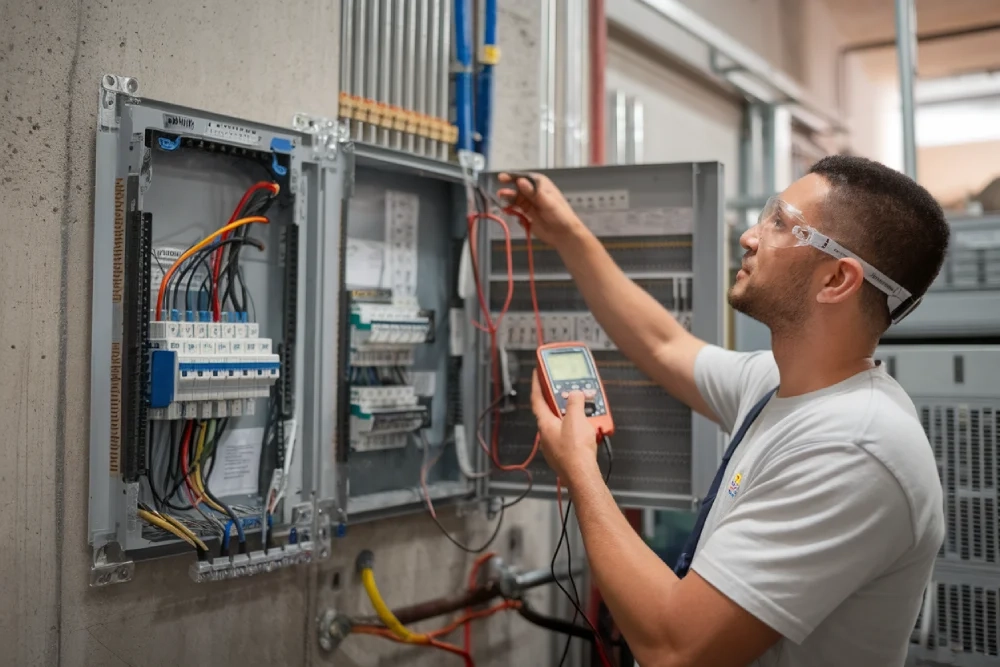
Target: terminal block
[[253, 563], [201, 369], [387, 327], [384, 417]]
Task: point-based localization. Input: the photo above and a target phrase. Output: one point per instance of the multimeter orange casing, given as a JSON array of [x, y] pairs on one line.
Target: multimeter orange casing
[[556, 391]]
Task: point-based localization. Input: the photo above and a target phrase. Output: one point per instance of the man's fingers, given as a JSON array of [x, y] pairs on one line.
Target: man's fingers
[[575, 402], [543, 413]]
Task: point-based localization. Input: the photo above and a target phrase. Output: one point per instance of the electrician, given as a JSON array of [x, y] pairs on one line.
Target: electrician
[[818, 536]]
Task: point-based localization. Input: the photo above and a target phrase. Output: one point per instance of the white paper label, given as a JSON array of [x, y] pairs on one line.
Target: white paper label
[[424, 383], [230, 132], [402, 212], [235, 472], [365, 263]]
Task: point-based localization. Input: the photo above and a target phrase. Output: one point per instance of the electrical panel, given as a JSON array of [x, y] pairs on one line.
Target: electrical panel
[[662, 224], [957, 398], [399, 390], [199, 441]]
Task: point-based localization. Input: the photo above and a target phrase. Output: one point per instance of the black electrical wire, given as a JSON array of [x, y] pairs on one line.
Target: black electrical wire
[[575, 598], [463, 547], [179, 477], [201, 258], [555, 624]]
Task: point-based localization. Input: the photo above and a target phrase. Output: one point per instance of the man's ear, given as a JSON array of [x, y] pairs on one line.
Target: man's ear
[[844, 278]]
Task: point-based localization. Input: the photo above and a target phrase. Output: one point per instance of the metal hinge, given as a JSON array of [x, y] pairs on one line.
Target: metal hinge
[[110, 566], [112, 86]]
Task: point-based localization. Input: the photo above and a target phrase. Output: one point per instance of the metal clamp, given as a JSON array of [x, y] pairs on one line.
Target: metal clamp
[[327, 135], [110, 566], [112, 86]]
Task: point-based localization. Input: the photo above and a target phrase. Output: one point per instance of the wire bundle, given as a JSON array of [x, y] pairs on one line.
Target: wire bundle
[[491, 326], [189, 453], [222, 245]]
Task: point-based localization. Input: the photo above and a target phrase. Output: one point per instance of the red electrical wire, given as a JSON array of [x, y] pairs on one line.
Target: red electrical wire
[[217, 261], [473, 580], [491, 328], [193, 497]]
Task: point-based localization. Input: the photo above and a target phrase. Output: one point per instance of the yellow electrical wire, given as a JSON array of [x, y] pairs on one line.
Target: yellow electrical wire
[[385, 614], [199, 482], [160, 522], [195, 248], [187, 531]]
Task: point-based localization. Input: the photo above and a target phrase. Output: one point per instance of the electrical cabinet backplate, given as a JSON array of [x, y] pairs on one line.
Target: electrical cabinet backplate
[[663, 225], [166, 176]]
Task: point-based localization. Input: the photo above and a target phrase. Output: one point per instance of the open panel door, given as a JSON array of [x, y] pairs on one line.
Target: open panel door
[[663, 225]]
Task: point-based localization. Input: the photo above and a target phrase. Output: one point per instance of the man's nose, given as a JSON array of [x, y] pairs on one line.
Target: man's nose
[[749, 239]]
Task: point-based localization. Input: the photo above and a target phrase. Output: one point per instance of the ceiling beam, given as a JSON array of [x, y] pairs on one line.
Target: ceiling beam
[[925, 37]]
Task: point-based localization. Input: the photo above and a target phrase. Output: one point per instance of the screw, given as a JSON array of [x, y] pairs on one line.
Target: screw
[[123, 572], [109, 80]]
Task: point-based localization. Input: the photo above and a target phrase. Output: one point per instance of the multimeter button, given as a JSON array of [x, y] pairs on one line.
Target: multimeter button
[[565, 394], [589, 409], [588, 386], [589, 393], [575, 387], [563, 411]]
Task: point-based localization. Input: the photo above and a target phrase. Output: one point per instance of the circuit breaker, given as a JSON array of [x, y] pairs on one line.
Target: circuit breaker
[[199, 441]]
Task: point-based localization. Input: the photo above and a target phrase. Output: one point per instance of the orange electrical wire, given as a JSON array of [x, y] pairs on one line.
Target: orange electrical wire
[[473, 577], [433, 643], [195, 248]]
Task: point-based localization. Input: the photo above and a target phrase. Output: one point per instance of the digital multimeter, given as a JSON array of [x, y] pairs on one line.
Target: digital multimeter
[[569, 367]]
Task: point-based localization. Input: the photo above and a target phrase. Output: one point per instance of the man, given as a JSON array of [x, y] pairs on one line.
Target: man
[[828, 515]]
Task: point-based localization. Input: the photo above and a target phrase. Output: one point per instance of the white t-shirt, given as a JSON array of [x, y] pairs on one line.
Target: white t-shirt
[[829, 517]]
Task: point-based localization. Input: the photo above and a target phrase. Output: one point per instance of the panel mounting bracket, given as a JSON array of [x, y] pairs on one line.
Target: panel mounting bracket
[[112, 86], [110, 566], [327, 133]]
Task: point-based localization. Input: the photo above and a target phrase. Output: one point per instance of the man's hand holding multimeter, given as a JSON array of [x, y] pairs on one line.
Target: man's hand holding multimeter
[[568, 399]]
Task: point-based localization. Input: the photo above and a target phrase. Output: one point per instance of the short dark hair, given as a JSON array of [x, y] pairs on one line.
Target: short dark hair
[[889, 220]]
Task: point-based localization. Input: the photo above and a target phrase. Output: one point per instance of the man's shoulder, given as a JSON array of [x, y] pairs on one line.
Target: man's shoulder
[[879, 418]]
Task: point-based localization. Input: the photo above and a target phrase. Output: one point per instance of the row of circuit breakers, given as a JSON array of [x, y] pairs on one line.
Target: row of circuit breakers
[[280, 344]]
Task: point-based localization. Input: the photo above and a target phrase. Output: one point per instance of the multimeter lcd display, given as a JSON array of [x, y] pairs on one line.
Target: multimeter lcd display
[[568, 366]]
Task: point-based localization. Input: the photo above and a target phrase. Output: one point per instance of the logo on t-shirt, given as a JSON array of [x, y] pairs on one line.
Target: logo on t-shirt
[[734, 485]]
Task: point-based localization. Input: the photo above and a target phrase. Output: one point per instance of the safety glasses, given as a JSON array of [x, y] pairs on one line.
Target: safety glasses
[[781, 225]]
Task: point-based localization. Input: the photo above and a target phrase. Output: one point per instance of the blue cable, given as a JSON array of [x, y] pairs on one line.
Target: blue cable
[[484, 80], [463, 78], [246, 522]]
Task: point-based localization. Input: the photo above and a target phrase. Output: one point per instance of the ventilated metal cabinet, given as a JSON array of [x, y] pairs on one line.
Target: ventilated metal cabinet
[[964, 300], [957, 396]]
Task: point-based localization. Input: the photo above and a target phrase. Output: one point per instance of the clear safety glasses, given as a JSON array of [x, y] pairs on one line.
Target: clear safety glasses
[[781, 225]]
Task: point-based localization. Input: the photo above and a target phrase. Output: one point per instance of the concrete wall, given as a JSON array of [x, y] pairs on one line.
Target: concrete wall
[[51, 57]]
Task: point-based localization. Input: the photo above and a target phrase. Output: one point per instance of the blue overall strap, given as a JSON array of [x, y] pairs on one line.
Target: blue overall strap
[[684, 562]]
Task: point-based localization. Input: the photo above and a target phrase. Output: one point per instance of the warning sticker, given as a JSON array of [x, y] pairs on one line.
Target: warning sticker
[[232, 132]]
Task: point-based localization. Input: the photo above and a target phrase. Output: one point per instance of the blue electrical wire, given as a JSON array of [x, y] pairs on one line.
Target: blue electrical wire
[[463, 78], [246, 522]]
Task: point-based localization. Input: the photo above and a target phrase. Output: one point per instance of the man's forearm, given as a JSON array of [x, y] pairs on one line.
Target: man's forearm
[[633, 319], [634, 581]]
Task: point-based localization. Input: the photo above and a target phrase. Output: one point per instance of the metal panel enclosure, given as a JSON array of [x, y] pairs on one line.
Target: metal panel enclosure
[[957, 397], [385, 482], [167, 176], [964, 301], [663, 225]]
